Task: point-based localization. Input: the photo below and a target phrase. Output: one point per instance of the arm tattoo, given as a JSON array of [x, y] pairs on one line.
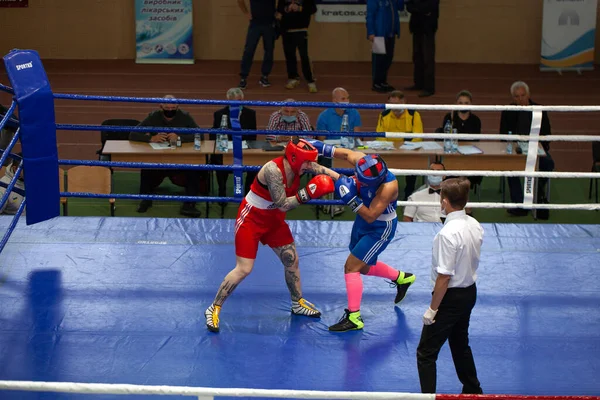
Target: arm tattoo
[[224, 291], [274, 181], [288, 256], [318, 169]]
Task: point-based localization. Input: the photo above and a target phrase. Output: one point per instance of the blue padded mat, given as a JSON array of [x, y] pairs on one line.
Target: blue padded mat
[[121, 300]]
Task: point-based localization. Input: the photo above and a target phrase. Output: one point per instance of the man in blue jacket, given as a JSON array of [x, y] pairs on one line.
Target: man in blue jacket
[[383, 20]]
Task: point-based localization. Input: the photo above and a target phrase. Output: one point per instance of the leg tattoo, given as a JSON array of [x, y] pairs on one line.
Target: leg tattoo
[[225, 290], [289, 258]]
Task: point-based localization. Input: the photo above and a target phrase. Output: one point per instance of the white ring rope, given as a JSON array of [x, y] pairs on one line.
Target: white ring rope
[[535, 174], [491, 136], [106, 388], [585, 206], [473, 107]]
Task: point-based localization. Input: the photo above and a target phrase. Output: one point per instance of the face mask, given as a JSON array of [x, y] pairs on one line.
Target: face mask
[[443, 211], [169, 113], [289, 118], [434, 180], [238, 106], [465, 111], [341, 107]]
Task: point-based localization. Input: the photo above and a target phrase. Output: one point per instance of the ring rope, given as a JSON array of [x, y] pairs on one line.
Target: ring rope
[[110, 388], [392, 135]]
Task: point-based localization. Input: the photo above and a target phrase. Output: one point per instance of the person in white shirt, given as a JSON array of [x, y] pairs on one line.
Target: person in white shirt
[[429, 194], [455, 258]]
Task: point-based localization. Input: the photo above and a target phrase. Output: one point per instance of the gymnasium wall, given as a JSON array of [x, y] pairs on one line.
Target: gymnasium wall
[[471, 31]]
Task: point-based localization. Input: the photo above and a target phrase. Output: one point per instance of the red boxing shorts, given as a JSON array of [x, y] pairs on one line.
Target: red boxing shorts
[[255, 225]]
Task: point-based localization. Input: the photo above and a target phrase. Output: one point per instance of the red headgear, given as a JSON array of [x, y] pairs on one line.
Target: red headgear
[[298, 151]]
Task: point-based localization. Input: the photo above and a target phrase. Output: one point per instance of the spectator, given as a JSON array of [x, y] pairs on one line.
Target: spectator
[[331, 120], [14, 199], [169, 116], [431, 193], [464, 121], [407, 121], [247, 120], [383, 21], [423, 25], [288, 119], [295, 18], [519, 123], [262, 24]]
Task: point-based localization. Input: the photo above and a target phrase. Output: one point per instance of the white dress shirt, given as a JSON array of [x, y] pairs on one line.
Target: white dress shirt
[[456, 250], [424, 213]]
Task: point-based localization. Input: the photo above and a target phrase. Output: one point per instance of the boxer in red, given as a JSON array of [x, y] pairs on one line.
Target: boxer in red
[[261, 218]]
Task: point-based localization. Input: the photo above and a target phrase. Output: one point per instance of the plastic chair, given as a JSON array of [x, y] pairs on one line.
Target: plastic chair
[[110, 135], [91, 180]]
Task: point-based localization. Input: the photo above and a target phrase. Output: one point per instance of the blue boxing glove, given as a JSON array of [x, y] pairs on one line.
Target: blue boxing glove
[[345, 187], [325, 150]]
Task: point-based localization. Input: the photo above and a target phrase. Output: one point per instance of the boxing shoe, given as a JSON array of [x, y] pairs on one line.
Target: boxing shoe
[[351, 321], [303, 307]]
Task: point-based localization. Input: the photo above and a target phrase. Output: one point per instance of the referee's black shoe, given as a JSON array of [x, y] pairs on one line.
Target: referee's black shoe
[[402, 283]]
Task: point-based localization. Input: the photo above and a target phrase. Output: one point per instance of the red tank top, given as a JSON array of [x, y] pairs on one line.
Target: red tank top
[[263, 191]]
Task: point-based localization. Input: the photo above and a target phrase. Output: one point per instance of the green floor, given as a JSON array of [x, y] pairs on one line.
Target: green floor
[[567, 191]]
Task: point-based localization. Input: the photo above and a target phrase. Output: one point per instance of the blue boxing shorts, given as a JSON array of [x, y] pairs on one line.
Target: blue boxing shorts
[[368, 241]]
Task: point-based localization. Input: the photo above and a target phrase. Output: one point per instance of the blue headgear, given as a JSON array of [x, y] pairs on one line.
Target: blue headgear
[[371, 170]]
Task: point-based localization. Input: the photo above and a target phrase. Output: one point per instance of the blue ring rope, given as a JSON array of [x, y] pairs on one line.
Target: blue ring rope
[[201, 167], [160, 100], [11, 185], [187, 199], [191, 131], [12, 225], [11, 144], [6, 89], [10, 111]]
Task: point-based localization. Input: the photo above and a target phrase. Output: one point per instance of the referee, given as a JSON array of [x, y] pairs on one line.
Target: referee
[[456, 250]]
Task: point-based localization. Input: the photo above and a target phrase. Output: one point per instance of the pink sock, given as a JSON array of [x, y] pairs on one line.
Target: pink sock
[[354, 289], [383, 270]]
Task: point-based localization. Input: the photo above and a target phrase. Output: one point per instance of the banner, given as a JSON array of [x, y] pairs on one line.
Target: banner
[[346, 11], [14, 3], [163, 31], [568, 34]]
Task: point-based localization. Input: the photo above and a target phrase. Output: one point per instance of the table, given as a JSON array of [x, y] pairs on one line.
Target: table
[[125, 150]]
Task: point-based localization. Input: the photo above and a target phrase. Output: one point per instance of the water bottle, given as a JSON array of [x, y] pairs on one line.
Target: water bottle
[[197, 141], [222, 140], [448, 141], [347, 142], [509, 145], [455, 141], [178, 141]]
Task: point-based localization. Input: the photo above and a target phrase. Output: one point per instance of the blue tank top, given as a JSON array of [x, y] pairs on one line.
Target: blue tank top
[[367, 194]]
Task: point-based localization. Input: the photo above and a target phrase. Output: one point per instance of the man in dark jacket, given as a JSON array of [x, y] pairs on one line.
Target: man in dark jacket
[[247, 119], [295, 18], [169, 116], [383, 21], [423, 26], [519, 123]]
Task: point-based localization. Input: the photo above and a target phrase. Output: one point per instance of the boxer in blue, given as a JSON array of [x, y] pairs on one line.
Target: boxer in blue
[[372, 194]]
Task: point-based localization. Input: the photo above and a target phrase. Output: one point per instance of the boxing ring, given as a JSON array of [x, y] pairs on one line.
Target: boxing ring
[[101, 308]]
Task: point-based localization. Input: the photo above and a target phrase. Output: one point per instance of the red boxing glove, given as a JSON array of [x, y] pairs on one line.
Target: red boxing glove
[[317, 187]]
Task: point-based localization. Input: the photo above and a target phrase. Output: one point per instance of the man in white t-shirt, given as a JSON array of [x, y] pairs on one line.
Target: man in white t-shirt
[[429, 194], [455, 259]]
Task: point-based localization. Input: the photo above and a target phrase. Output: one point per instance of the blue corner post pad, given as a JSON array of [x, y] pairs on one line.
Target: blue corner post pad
[[234, 115], [38, 133]]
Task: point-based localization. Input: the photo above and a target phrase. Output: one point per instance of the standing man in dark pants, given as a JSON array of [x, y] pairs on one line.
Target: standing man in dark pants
[[295, 18], [383, 20], [247, 119], [423, 26], [456, 252], [262, 24]]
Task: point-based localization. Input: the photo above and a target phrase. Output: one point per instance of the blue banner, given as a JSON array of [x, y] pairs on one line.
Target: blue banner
[[163, 31]]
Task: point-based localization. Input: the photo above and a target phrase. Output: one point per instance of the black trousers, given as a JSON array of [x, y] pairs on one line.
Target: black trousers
[[150, 179], [516, 189], [222, 176], [424, 61], [452, 324], [381, 63], [293, 41], [409, 188], [255, 32]]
